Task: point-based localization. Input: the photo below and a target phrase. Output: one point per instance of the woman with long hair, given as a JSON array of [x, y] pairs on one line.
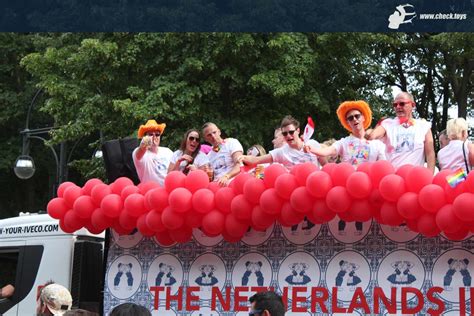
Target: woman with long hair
[[189, 156]]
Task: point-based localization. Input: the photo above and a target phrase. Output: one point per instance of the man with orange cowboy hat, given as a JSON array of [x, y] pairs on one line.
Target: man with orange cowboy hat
[[151, 160]]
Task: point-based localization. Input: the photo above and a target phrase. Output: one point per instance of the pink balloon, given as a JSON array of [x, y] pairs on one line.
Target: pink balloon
[[341, 172], [380, 169], [469, 183], [180, 200], [270, 202], [89, 185], [452, 193], [253, 189], [365, 167], [121, 183], [358, 185], [360, 210], [157, 198], [203, 201], [239, 182], [459, 235], [241, 208], [84, 207], [431, 198], [135, 204], [174, 180], [404, 170], [391, 187], [301, 201], [271, 173], [193, 219], [418, 178], [99, 220], [57, 208], [285, 184], [171, 219], [99, 192], [328, 168], [464, 207], [143, 227], [322, 212], [447, 221], [389, 214], [302, 172], [196, 179], [64, 227], [213, 222], [154, 222], [318, 184], [182, 235], [72, 221], [62, 187], [288, 216], [122, 231], [112, 205], [144, 187], [129, 190], [408, 206], [126, 221], [164, 239], [223, 199], [213, 186], [71, 193], [233, 227], [427, 225], [440, 178], [338, 200]]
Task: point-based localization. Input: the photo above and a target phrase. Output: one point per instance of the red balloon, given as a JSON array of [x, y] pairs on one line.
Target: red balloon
[[418, 178], [365, 167], [64, 227], [182, 235], [72, 221], [239, 182], [361, 210], [318, 184], [99, 220], [157, 198], [154, 222], [89, 185], [180, 200], [440, 178], [389, 214], [143, 227], [346, 217], [271, 173], [229, 238], [270, 202], [408, 206], [120, 183], [241, 208], [71, 193], [302, 172], [99, 192], [203, 201], [404, 170], [135, 204], [321, 211], [129, 190], [172, 220], [338, 200], [301, 201], [214, 186], [380, 169], [447, 221], [62, 187], [213, 222], [288, 216], [92, 229], [164, 239], [464, 207], [285, 184], [427, 225], [451, 193], [358, 185], [193, 219], [112, 205], [84, 207], [57, 208], [174, 179], [223, 199], [341, 172], [391, 187], [121, 230], [196, 179], [458, 235], [469, 183], [328, 168], [126, 221], [233, 227], [144, 187], [253, 189], [431, 198]]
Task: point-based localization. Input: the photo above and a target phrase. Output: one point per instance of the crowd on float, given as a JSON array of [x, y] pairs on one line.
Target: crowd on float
[[400, 140]]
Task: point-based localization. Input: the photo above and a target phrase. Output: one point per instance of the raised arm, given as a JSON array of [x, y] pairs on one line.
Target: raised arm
[[321, 152], [376, 133], [252, 160], [224, 180], [144, 144], [429, 151]]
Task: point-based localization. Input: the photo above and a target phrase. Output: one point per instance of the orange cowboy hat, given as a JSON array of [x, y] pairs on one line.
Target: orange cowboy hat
[[150, 125], [348, 106]]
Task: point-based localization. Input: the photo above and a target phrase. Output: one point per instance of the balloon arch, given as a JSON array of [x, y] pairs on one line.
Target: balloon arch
[[410, 195]]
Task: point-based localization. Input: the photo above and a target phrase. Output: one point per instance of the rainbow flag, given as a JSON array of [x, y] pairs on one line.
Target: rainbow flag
[[457, 177]]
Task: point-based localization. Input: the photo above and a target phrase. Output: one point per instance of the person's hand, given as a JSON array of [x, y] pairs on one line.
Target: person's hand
[[192, 167], [307, 149], [186, 158], [146, 142], [7, 291], [223, 181], [245, 159], [368, 133]]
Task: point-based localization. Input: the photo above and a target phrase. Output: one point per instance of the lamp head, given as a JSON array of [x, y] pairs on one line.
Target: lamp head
[[24, 167]]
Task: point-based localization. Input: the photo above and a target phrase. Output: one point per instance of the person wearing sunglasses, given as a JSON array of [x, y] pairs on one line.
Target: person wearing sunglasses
[[189, 156], [291, 153], [355, 117], [278, 139], [266, 304], [150, 159], [224, 156], [408, 140]]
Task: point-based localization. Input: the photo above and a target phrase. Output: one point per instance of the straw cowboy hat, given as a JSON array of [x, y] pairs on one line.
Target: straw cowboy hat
[[360, 106], [150, 125]]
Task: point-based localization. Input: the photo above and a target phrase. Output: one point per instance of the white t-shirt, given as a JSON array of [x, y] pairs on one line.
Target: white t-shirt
[[405, 145], [221, 161], [199, 161], [356, 151], [153, 167], [452, 157], [289, 157]]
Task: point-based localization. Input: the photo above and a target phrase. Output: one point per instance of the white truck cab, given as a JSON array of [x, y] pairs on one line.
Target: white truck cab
[[34, 250]]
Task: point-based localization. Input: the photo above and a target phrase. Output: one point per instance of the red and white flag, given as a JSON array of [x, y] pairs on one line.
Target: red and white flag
[[308, 130]]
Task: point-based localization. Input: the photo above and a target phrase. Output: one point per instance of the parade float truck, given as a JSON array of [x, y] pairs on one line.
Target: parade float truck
[[34, 250]]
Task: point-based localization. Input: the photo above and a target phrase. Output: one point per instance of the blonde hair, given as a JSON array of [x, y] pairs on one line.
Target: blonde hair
[[455, 128]]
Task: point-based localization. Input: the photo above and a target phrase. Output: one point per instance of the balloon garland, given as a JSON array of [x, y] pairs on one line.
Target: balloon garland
[[411, 195]]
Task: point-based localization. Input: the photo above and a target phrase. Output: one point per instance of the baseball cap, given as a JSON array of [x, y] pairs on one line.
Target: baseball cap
[[57, 298]]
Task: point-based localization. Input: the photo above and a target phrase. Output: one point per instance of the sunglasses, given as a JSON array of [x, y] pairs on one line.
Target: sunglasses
[[288, 132], [402, 104], [256, 311], [350, 118], [157, 134], [193, 139]]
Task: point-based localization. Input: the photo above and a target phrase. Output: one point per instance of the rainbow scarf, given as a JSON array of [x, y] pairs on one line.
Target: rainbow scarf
[[457, 177]]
